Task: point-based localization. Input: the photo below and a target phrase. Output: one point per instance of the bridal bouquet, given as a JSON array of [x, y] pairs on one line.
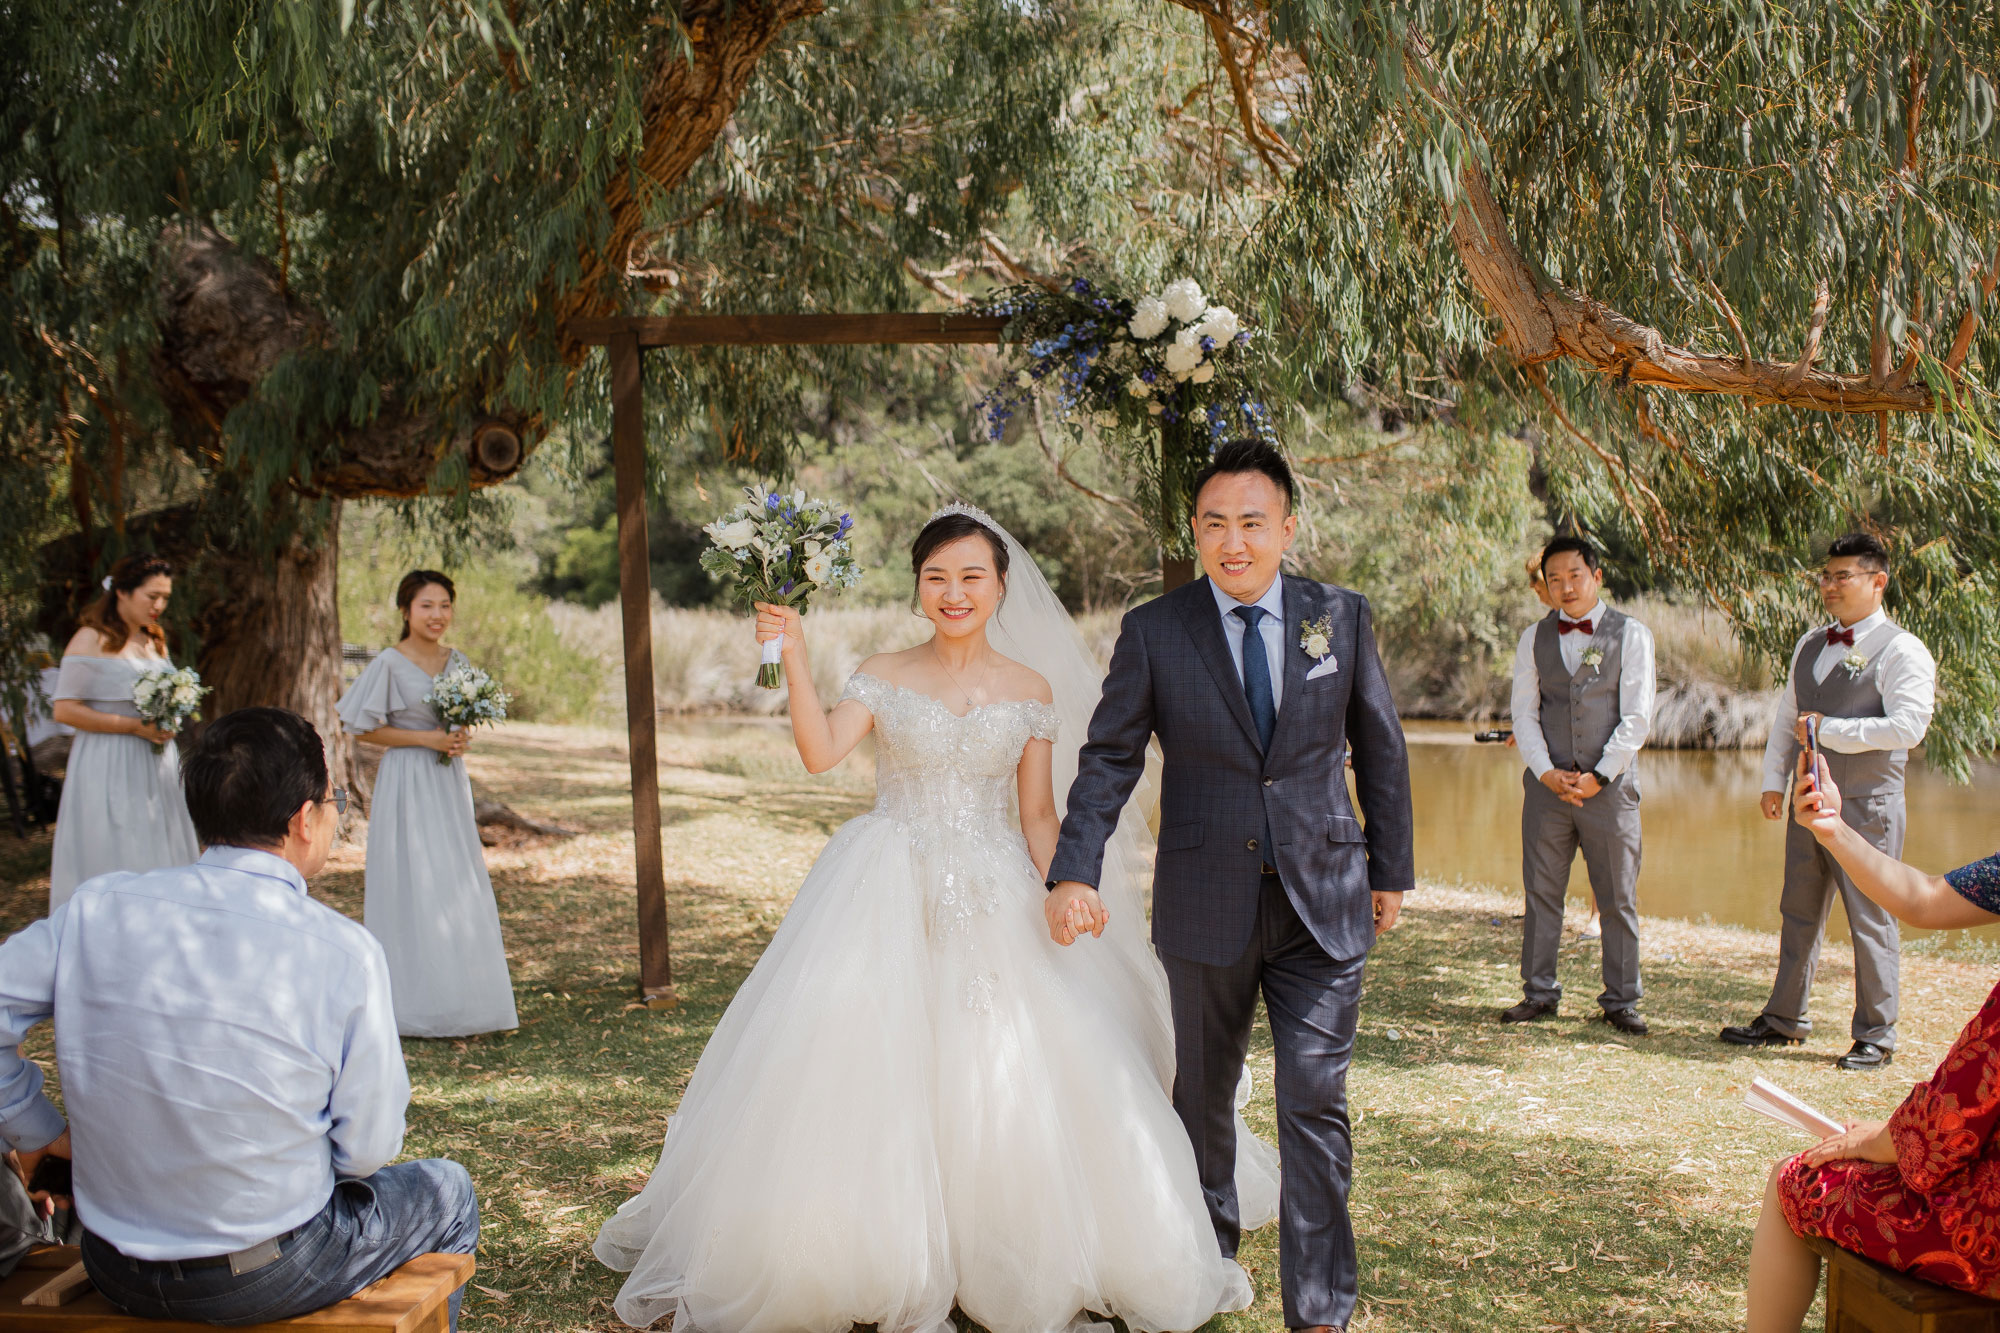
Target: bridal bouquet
[[781, 549], [166, 697], [467, 697]]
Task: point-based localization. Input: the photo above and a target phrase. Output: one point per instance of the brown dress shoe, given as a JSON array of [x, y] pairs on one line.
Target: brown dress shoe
[[1527, 1011]]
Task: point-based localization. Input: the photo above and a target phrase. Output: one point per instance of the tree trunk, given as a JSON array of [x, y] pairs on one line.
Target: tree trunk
[[275, 641]]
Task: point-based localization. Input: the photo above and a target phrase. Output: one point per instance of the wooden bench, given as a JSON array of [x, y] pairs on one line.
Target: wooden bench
[[1863, 1296], [409, 1300]]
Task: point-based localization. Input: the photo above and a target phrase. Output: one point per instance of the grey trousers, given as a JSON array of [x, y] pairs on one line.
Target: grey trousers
[[1313, 1001], [1812, 877], [1606, 828]]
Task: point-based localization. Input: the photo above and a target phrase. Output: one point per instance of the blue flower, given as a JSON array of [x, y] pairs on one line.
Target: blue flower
[[1149, 374], [1080, 287], [771, 502]]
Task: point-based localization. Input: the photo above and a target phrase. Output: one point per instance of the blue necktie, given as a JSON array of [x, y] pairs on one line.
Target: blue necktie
[[1257, 675]]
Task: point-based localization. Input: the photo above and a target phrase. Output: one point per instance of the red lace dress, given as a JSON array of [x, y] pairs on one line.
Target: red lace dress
[[1935, 1213]]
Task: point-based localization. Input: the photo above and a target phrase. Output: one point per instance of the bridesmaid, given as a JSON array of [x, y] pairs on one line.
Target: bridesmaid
[[428, 900], [121, 800]]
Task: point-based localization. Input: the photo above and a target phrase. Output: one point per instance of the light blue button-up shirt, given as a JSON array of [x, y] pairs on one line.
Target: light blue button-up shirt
[[1272, 627], [226, 1045]]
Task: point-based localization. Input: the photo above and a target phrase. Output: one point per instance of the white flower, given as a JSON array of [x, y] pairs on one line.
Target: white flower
[[735, 535], [1593, 656], [1138, 388], [1024, 379], [1149, 319], [1316, 646], [1220, 323], [1183, 355], [1184, 300], [1856, 663], [1154, 409], [1106, 419], [819, 567], [1203, 373], [798, 499]]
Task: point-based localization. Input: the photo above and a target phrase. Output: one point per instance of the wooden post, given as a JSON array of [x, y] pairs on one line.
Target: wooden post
[[635, 595]]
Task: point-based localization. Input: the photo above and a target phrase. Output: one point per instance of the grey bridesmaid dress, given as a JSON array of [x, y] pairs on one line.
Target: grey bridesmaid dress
[[121, 802], [428, 900]]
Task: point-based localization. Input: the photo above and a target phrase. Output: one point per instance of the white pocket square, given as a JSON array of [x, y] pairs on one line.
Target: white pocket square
[[1326, 668]]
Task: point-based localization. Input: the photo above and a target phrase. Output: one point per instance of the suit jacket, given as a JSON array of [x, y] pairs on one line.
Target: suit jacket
[[1172, 676]]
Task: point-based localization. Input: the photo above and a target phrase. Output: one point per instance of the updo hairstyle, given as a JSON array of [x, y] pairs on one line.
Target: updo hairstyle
[[101, 613]]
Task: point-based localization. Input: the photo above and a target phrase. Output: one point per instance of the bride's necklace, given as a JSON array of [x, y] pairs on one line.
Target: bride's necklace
[[962, 691]]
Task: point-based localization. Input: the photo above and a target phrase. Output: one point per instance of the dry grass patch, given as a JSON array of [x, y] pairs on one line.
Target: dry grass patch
[[1557, 1177]]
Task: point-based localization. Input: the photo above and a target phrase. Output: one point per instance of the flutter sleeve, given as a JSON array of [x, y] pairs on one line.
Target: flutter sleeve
[[1945, 1122], [74, 680], [1043, 724], [370, 699], [1978, 883]]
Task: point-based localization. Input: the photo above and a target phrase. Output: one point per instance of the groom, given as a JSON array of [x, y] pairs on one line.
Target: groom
[[1256, 684]]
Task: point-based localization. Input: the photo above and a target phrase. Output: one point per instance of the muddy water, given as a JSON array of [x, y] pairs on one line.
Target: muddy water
[[1708, 851]]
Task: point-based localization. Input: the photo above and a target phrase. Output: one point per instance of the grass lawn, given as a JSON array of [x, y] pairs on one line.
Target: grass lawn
[[1558, 1177]]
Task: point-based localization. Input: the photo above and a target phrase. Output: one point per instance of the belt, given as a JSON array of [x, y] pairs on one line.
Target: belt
[[246, 1260]]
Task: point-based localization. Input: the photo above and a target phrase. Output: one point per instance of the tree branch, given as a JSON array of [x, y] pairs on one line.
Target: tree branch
[[1968, 323], [1264, 140], [1822, 302], [1062, 470], [1543, 320]]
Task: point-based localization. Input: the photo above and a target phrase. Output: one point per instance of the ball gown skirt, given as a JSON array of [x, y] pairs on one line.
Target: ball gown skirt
[[918, 1099]]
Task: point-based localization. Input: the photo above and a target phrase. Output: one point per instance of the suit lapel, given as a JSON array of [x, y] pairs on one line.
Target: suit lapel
[[1299, 608], [1204, 626]]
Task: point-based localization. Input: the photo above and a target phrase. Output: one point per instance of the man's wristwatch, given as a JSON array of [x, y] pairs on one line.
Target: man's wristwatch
[[1602, 781]]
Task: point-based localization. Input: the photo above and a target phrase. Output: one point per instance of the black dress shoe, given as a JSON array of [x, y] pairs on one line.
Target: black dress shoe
[[1865, 1055], [1626, 1020], [1758, 1032], [1527, 1011]]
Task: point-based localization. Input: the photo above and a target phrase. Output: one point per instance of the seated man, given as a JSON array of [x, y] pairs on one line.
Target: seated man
[[229, 1060]]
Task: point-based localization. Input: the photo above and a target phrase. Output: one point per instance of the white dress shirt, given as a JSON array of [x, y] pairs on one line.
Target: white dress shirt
[[226, 1045], [1271, 626], [1907, 679], [1636, 685]]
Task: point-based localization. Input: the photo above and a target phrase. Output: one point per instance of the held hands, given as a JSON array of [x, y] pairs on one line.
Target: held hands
[[146, 731], [1571, 788], [1072, 910], [1866, 1139], [773, 620], [451, 744]]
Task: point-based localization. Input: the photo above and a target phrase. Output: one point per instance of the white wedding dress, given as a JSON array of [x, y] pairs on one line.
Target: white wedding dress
[[918, 1099]]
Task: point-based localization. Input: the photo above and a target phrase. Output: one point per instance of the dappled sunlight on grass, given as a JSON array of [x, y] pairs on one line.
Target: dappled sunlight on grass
[[1556, 1176]]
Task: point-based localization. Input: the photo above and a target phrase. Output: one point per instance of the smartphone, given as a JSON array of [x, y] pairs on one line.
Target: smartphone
[[1495, 737], [1812, 745]]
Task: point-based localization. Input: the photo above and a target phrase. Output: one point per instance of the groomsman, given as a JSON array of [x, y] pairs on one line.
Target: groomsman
[[1583, 703], [1870, 686]]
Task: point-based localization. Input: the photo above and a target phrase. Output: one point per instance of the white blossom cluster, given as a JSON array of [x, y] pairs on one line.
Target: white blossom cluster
[[1203, 332], [167, 696], [782, 548], [465, 696]]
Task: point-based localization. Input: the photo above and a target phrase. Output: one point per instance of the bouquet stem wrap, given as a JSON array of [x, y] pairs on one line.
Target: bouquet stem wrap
[[769, 673]]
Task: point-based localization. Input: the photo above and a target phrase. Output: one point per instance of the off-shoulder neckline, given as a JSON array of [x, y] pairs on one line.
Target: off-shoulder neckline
[[932, 698]]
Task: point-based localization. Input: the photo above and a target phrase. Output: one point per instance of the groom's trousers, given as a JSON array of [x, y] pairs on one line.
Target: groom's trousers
[[1313, 1001]]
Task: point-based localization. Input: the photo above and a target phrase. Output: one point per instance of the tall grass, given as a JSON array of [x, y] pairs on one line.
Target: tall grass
[[1713, 695]]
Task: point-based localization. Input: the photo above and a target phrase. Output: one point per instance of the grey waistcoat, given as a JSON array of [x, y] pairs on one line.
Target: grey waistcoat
[[1580, 712], [1844, 694]]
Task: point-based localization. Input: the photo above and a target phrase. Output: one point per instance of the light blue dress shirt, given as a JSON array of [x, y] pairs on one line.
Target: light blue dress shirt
[[1272, 627], [226, 1045]]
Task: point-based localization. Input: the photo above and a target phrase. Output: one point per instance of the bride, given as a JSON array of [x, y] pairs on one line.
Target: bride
[[917, 1098]]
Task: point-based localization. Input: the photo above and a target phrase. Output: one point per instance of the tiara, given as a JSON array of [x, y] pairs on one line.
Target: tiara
[[973, 512]]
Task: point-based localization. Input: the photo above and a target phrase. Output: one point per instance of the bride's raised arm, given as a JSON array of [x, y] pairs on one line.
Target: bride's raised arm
[[824, 738]]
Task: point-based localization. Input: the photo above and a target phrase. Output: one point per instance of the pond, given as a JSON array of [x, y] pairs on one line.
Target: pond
[[1709, 853]]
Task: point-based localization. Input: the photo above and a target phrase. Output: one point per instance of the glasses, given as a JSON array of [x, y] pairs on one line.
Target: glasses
[[1842, 578], [338, 796]]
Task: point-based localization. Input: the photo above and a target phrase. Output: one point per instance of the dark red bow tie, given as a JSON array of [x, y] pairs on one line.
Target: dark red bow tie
[[1580, 626], [1835, 634]]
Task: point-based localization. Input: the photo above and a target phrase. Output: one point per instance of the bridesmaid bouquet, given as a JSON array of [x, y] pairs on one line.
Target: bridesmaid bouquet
[[166, 697], [781, 549], [467, 697]]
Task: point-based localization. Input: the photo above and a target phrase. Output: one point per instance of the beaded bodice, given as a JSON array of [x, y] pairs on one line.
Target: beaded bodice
[[937, 768]]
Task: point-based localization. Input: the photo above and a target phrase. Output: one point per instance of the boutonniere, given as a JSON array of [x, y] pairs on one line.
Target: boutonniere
[[1593, 657], [1856, 663], [1316, 638]]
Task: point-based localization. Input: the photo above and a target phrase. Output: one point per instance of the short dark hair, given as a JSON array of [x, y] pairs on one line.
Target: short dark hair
[[1863, 546], [1569, 542], [948, 528], [1247, 455], [248, 774]]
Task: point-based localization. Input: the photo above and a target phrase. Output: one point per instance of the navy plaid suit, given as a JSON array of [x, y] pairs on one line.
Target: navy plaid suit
[[1225, 930]]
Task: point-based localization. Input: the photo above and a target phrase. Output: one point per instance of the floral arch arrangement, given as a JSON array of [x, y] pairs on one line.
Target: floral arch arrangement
[[1165, 377]]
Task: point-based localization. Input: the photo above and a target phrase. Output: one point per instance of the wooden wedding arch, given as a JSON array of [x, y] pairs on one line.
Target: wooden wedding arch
[[626, 340]]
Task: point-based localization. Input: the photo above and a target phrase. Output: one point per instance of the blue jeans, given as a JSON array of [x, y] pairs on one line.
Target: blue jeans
[[368, 1229]]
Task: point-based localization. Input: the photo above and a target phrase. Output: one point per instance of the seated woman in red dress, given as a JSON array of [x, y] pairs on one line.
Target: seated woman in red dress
[[1920, 1191]]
